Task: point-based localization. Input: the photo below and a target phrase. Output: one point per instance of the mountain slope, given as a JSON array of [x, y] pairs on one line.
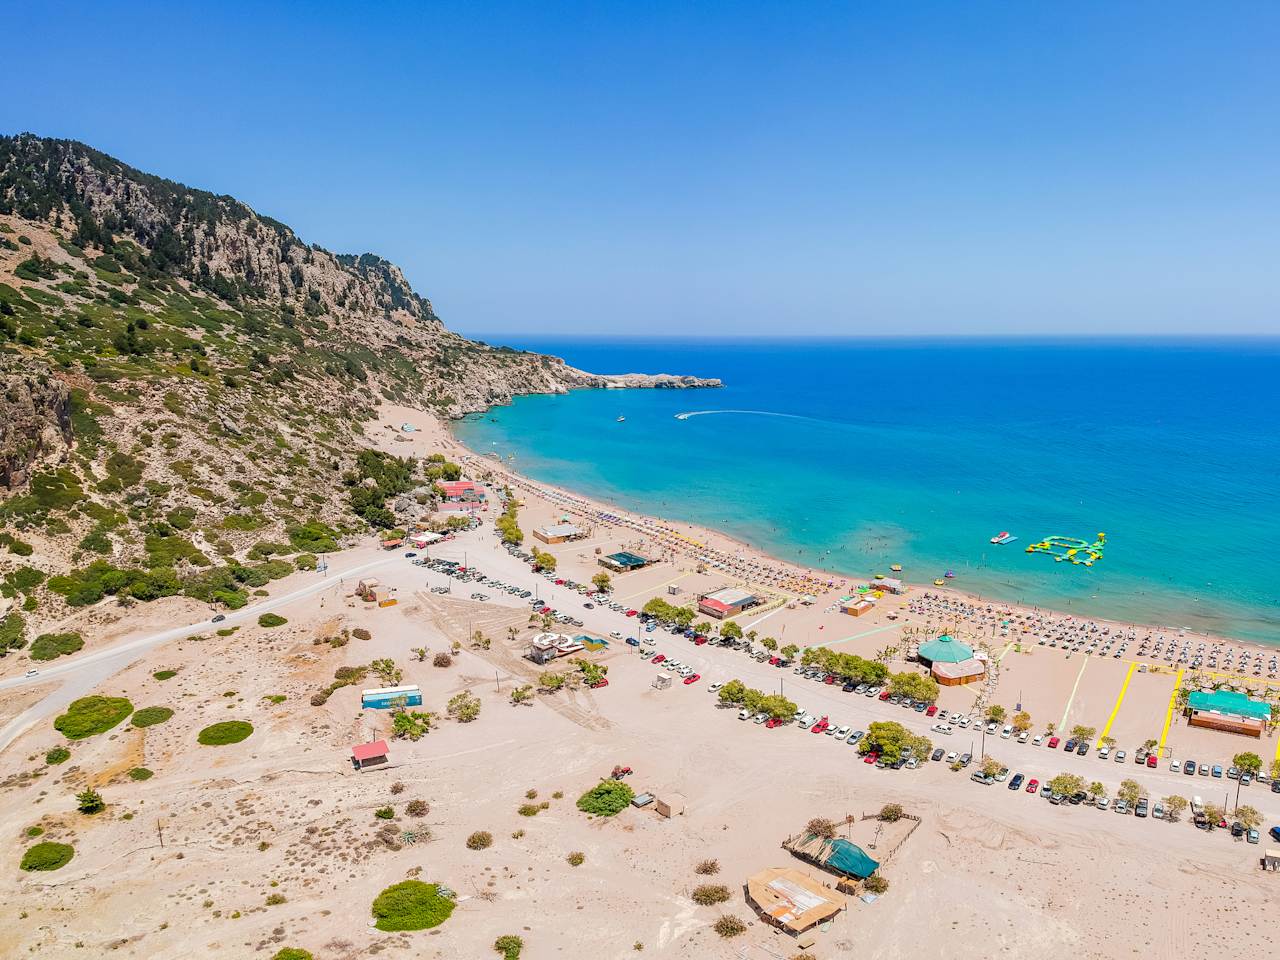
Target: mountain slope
[[185, 383]]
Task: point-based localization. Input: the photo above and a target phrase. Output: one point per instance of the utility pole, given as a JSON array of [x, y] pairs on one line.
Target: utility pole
[[160, 833]]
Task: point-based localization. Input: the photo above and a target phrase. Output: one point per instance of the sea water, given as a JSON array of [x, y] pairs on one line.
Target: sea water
[[852, 455]]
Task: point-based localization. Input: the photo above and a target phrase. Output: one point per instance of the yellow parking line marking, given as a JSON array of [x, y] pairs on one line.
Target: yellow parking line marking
[[1124, 688], [1000, 659], [1168, 716], [651, 589], [1074, 688]]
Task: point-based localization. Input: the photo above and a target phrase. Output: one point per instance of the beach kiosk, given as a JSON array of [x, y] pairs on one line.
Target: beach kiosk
[[662, 681]]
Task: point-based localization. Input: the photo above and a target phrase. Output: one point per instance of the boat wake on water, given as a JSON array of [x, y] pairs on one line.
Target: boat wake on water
[[754, 413]]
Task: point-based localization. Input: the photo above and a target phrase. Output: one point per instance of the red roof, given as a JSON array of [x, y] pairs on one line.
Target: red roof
[[368, 751], [456, 488], [714, 604]]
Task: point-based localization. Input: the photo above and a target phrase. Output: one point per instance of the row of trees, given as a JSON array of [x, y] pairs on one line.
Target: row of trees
[[668, 613], [891, 739], [506, 523], [847, 665], [757, 701], [997, 714], [543, 561], [587, 672]]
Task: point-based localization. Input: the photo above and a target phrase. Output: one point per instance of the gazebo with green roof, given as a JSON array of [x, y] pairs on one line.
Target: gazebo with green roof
[[944, 649]]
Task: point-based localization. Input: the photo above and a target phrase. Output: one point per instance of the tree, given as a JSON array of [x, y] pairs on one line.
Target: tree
[[1129, 791], [1109, 742], [1022, 721], [789, 651], [607, 798], [778, 706], [995, 713], [1174, 807], [1149, 745], [1066, 784], [410, 724], [419, 653], [1096, 789], [730, 630], [1249, 817], [991, 767], [522, 694], [733, 692], [1081, 732], [552, 681], [90, 801], [602, 582], [1247, 762], [876, 884], [387, 671], [914, 686], [479, 641], [1213, 813], [703, 627], [464, 707], [544, 561], [1275, 769], [892, 740], [891, 812], [769, 644], [820, 827]]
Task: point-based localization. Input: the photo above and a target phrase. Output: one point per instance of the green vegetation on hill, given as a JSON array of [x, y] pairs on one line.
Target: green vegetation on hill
[[50, 646], [47, 856], [224, 733], [92, 715], [411, 905], [150, 716], [606, 799]]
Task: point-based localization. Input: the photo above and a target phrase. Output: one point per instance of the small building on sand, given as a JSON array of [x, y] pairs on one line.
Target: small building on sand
[[623, 562], [725, 603], [558, 532], [388, 698], [366, 755], [460, 490], [856, 607], [951, 662], [1228, 710], [792, 901]]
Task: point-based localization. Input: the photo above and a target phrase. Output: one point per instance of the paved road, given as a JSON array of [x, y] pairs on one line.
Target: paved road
[[80, 675]]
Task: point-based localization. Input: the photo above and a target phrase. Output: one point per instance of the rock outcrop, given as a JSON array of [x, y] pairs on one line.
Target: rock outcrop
[[35, 417]]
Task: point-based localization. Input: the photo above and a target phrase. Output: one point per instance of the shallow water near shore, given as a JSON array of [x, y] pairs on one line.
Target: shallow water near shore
[[852, 455]]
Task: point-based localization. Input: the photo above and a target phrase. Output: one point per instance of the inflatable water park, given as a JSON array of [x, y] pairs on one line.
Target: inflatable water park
[[1071, 549]]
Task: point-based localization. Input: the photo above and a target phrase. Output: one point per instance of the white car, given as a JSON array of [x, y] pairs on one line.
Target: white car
[[714, 687], [991, 727], [1006, 733], [963, 721], [941, 728], [1104, 752], [1175, 766], [744, 714], [952, 757], [1119, 756], [760, 718], [1037, 740], [33, 673], [843, 732], [616, 635], [1022, 737]]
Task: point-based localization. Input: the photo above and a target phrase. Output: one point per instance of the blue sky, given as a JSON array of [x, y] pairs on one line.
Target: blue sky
[[798, 168]]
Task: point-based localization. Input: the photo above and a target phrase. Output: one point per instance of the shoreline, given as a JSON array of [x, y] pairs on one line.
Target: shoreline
[[833, 582]]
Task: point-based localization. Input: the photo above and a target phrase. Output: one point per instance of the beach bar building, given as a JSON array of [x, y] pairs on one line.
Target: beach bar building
[[384, 698], [460, 490], [792, 901], [951, 662], [623, 562], [857, 606], [366, 755], [1228, 710], [727, 602], [558, 532]]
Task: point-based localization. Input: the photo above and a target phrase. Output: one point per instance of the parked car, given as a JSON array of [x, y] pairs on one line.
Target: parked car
[[1189, 768], [1157, 811], [1152, 760], [966, 759], [938, 754], [1071, 745], [1033, 785], [1082, 748], [714, 687], [1119, 756], [1140, 809], [692, 678], [931, 710], [1053, 743], [856, 736], [1015, 782], [1120, 806], [1217, 771], [1252, 836]]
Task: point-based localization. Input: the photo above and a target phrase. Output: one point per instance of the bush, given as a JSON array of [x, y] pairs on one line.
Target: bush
[[57, 755], [509, 946], [821, 827], [150, 716], [709, 894], [165, 674], [480, 840], [411, 905], [463, 707], [271, 620], [140, 773], [90, 802], [90, 716], [50, 646], [384, 813], [576, 859], [47, 856], [417, 808], [292, 953], [707, 868], [891, 812], [442, 659], [729, 926], [227, 732], [360, 633], [34, 831], [528, 809], [876, 883], [606, 799]]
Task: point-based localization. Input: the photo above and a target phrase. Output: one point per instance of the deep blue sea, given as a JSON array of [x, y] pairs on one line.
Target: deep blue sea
[[855, 454]]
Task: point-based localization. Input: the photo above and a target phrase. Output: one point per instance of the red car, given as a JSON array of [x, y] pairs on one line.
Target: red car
[[692, 678], [699, 641], [632, 613], [931, 710], [829, 678], [1151, 760], [885, 694], [604, 682], [871, 757], [773, 722], [559, 583], [820, 726], [545, 610], [1033, 786], [774, 661], [1053, 743], [659, 658]]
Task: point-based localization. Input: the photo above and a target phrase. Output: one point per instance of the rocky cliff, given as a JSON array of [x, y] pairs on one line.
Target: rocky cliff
[[35, 417]]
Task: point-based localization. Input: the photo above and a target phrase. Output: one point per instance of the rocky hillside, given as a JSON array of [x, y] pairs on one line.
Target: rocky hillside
[[185, 382]]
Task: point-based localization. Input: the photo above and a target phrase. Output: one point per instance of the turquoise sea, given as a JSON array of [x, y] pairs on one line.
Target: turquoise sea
[[855, 454]]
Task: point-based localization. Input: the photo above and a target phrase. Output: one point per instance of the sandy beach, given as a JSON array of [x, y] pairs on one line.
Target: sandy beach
[[239, 850]]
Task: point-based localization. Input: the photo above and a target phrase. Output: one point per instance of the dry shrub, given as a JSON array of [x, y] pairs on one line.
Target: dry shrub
[[707, 868], [729, 926], [709, 894]]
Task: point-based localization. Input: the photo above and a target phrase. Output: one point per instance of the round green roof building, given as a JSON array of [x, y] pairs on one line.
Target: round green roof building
[[944, 649]]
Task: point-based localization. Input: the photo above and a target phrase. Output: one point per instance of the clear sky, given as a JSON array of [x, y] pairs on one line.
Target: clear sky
[[735, 168]]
